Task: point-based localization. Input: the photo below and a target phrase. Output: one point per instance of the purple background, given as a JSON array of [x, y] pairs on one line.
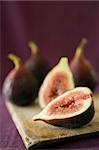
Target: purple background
[[57, 27]]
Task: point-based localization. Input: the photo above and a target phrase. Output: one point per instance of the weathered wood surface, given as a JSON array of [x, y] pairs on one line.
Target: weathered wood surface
[[36, 133]]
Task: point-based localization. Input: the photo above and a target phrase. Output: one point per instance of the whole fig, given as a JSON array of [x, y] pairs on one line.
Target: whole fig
[[37, 64], [72, 109], [83, 71], [20, 86], [57, 81]]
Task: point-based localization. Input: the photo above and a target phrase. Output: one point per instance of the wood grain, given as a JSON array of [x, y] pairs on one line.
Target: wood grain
[[38, 133]]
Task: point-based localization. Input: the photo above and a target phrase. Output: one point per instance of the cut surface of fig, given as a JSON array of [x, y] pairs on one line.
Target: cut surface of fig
[[58, 81], [72, 109]]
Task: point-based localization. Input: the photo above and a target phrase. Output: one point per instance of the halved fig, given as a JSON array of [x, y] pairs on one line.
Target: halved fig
[[57, 81], [72, 109]]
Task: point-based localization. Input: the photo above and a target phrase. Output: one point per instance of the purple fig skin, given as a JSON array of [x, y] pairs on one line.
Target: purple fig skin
[[83, 75], [38, 66], [76, 121], [83, 71], [20, 86]]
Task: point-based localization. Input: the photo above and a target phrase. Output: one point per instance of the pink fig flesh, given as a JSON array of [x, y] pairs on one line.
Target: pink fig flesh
[[69, 104], [57, 86]]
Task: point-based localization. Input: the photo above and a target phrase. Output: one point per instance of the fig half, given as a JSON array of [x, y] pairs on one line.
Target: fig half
[[57, 81], [73, 109]]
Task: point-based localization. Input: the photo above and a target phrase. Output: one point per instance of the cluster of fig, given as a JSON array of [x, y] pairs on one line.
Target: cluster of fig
[[65, 95], [22, 83], [64, 92]]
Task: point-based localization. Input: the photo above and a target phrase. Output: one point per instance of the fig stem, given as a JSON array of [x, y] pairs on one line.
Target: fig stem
[[34, 48], [15, 59], [81, 47]]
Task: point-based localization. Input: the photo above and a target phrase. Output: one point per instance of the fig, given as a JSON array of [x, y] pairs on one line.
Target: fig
[[37, 64], [20, 86], [72, 109], [57, 81], [83, 71]]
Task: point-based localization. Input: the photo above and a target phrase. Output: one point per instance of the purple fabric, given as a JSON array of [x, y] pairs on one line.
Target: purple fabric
[[9, 136], [57, 27]]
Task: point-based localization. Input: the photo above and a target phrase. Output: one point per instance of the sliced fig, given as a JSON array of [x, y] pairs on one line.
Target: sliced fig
[[72, 109], [57, 81]]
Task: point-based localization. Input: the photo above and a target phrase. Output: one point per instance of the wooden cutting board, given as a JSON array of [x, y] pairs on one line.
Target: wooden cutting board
[[38, 133]]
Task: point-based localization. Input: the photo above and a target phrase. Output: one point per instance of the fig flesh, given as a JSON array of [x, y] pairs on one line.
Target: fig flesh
[[20, 86], [57, 81], [37, 64], [83, 71], [72, 109]]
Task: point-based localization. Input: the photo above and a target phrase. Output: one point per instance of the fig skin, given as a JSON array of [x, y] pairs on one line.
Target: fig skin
[[58, 81], [83, 71], [75, 120], [37, 64], [20, 86]]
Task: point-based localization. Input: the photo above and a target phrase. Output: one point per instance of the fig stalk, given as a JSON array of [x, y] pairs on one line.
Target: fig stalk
[[81, 47], [16, 60], [34, 48]]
